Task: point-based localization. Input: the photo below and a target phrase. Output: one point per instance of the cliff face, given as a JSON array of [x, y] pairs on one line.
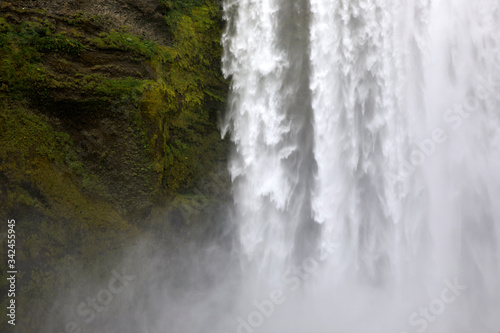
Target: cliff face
[[108, 128]]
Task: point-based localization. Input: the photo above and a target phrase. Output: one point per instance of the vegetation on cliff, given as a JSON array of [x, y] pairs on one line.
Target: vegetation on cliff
[[107, 129]]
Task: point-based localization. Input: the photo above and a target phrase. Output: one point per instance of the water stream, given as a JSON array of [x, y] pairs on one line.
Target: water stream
[[366, 167]]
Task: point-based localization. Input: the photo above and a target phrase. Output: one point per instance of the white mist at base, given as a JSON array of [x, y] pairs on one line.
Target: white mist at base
[[366, 168]]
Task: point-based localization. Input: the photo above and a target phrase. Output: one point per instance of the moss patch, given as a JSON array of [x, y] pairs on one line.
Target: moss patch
[[106, 130]]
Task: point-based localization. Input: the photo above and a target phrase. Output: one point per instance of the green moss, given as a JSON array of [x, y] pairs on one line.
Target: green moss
[[32, 151], [24, 71], [82, 19], [57, 43], [41, 35], [177, 8], [121, 40], [46, 196], [24, 135], [182, 100], [178, 107], [59, 81], [22, 48]]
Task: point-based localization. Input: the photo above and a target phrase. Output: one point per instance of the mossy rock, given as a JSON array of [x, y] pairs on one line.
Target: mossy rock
[[106, 131]]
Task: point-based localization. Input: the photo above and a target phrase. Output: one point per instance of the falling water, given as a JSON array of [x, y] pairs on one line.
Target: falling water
[[366, 167]]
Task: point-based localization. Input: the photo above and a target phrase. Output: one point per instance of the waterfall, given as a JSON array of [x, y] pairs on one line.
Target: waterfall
[[366, 162]]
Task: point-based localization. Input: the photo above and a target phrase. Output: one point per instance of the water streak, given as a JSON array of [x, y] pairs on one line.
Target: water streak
[[369, 127]]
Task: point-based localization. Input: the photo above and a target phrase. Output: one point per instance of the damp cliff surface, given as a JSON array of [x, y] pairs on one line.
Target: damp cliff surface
[[108, 129]]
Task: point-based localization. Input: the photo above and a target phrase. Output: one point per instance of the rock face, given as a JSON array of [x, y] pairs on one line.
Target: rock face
[[143, 17], [108, 129]]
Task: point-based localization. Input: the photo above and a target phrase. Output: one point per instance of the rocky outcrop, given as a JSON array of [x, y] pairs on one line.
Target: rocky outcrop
[[108, 128]]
